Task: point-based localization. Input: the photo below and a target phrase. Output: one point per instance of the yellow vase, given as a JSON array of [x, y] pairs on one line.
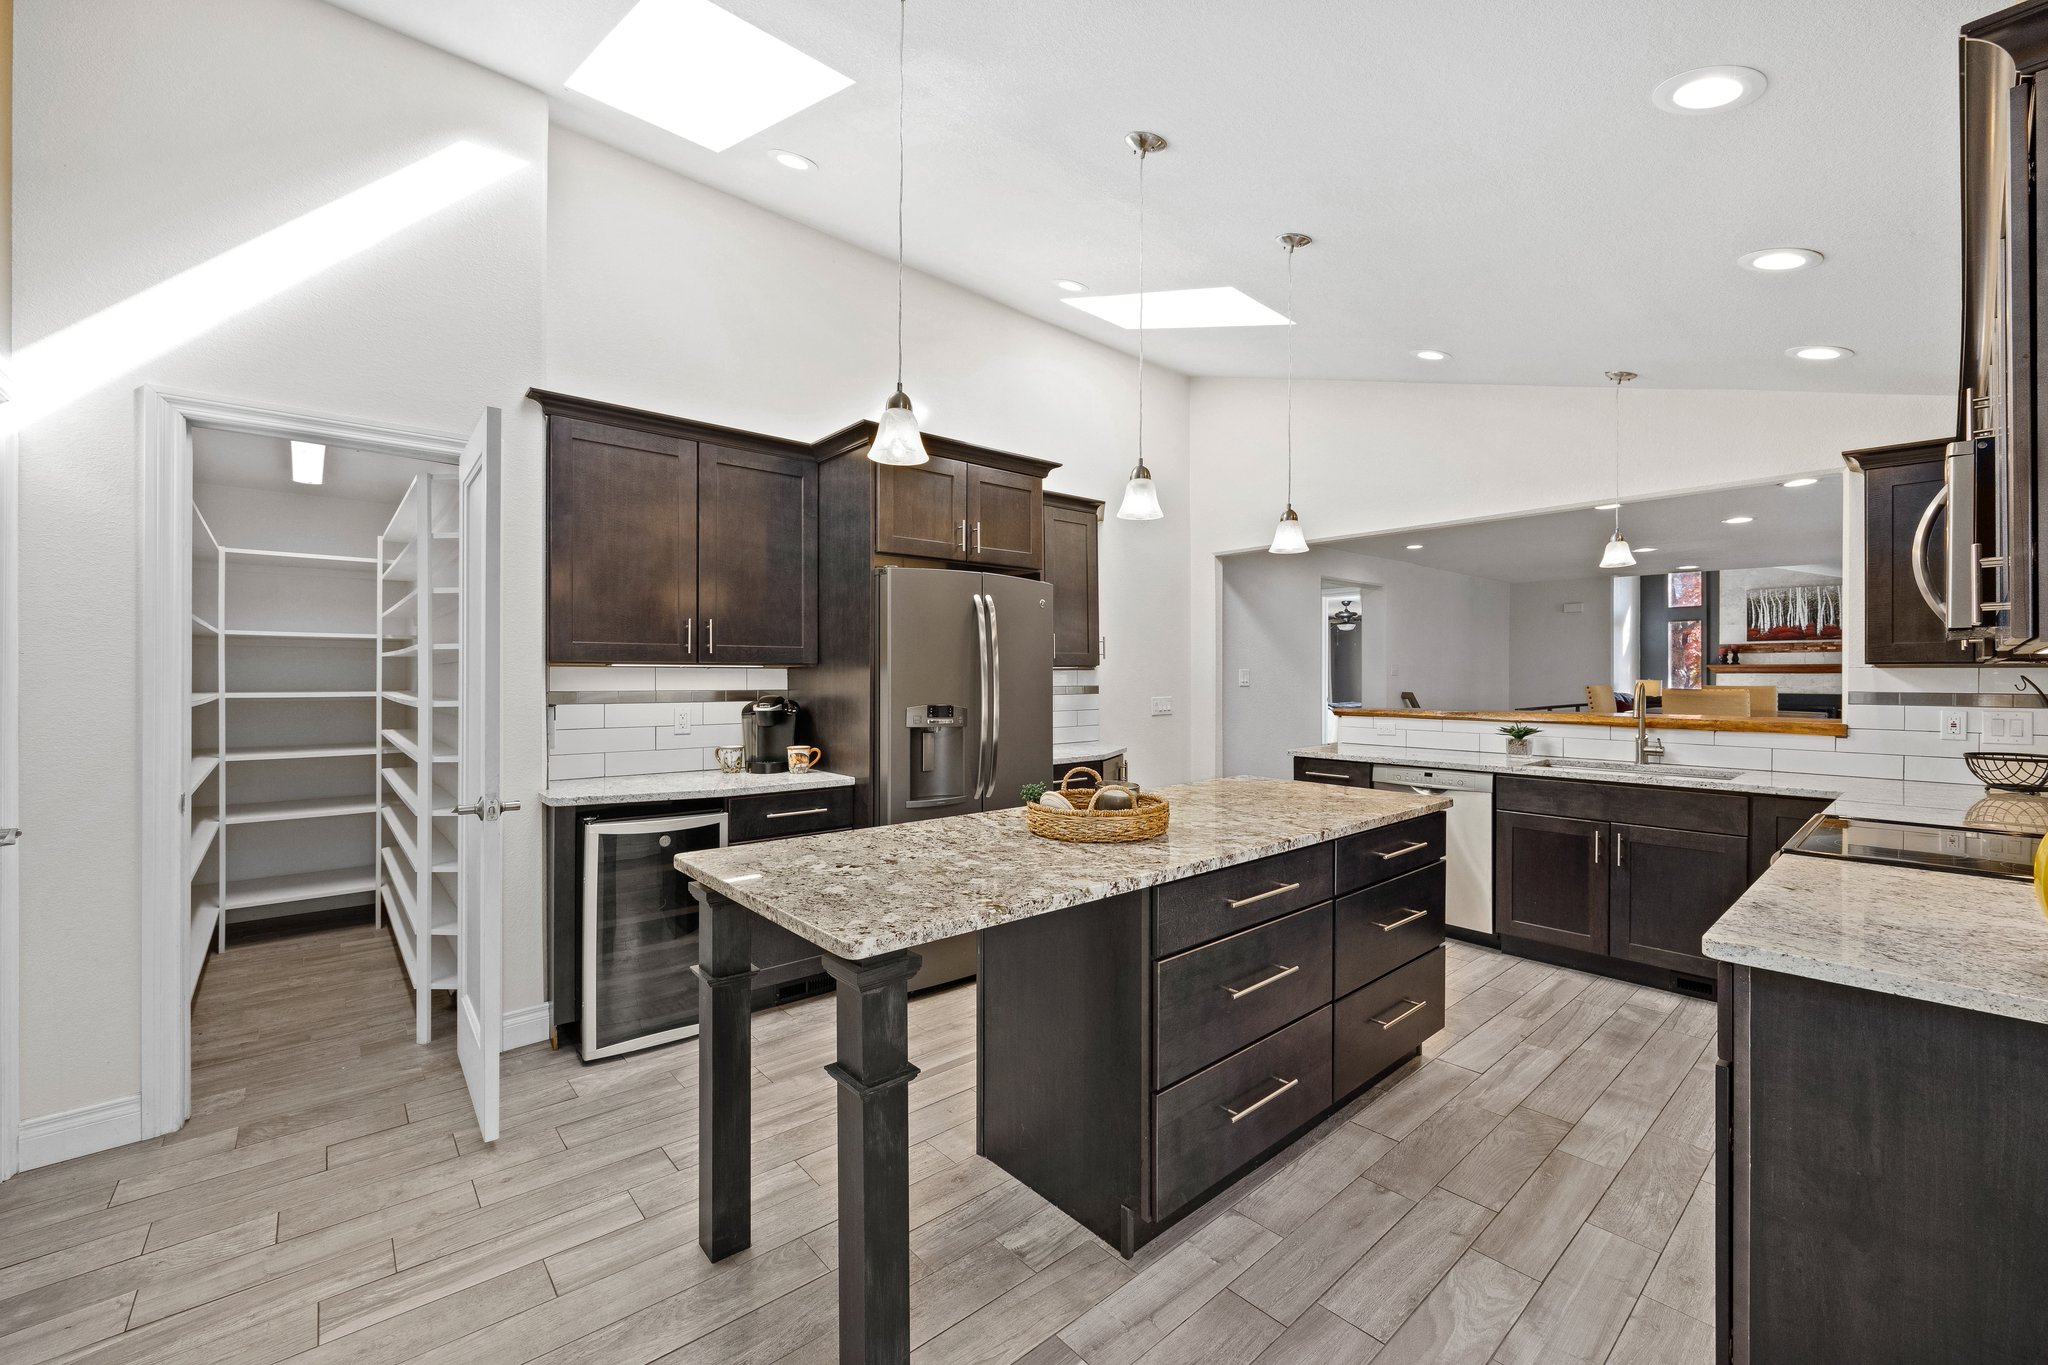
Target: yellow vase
[[2041, 875]]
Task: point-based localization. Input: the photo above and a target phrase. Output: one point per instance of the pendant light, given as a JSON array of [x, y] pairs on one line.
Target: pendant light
[[1617, 555], [897, 440], [1287, 536], [1141, 499]]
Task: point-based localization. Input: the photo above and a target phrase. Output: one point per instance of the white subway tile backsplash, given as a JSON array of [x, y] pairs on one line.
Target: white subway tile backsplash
[[577, 716], [1838, 765], [1712, 755], [767, 679], [663, 761], [659, 714], [1873, 717], [701, 680], [604, 741], [722, 712], [564, 767], [1744, 739], [1576, 746], [1071, 701], [706, 737], [1920, 769], [1927, 743], [567, 678]]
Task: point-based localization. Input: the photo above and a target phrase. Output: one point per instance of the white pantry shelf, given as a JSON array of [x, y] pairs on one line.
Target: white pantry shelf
[[303, 808], [289, 752], [299, 886], [301, 696], [301, 559]]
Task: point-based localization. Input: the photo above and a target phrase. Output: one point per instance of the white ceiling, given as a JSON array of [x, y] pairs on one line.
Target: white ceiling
[[243, 460], [1794, 527], [1489, 179]]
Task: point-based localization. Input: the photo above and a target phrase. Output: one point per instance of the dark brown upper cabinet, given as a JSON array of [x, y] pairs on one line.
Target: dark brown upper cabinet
[[1899, 486], [673, 542], [1072, 570], [757, 556], [1005, 518], [921, 509], [622, 544]]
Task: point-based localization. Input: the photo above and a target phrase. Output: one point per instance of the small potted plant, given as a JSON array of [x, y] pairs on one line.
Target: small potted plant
[[1518, 739]]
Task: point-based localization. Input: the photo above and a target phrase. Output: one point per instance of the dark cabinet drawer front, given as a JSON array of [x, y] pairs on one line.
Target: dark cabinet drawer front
[[1213, 1000], [1663, 807], [1387, 926], [1219, 1119], [1333, 772], [786, 813], [1381, 854], [1233, 898], [1379, 1024]]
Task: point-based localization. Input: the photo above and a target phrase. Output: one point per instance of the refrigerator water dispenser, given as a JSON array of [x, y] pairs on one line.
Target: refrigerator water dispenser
[[938, 755]]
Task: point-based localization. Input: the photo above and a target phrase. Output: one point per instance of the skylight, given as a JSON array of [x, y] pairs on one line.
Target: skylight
[[1167, 308], [695, 70]]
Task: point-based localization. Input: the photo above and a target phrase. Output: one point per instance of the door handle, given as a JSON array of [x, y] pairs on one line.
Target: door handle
[[711, 635], [1317, 772], [982, 776], [995, 682], [977, 547], [1620, 849], [689, 634], [1256, 1105], [1264, 896], [1401, 852], [1934, 602], [9, 837], [792, 814], [1412, 1004], [487, 808], [1596, 847], [1240, 992], [963, 539], [1409, 918]]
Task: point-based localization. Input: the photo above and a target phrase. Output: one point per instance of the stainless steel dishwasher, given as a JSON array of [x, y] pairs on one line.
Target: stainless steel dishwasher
[[1468, 852]]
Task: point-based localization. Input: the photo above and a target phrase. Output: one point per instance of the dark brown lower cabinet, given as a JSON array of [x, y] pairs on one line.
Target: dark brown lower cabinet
[[1880, 1178], [1333, 771], [1550, 880], [1138, 1054], [1666, 888], [1773, 820]]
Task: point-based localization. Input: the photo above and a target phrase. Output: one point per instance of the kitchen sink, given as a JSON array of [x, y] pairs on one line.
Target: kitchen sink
[[1595, 765]]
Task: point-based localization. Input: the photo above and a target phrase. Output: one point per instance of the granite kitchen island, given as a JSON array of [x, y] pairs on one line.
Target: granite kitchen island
[[1154, 1019]]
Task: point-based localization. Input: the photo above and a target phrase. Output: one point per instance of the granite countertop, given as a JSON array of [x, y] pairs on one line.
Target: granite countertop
[[1081, 753], [1978, 943], [614, 791], [861, 893]]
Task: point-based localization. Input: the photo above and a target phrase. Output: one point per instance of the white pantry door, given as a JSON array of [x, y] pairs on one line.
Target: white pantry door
[[480, 904], [10, 856]]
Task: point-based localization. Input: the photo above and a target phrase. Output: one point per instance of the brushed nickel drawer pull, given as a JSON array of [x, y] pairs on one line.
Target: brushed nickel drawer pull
[[1239, 992], [1413, 1005], [1402, 851], [1256, 1105], [791, 814], [1409, 918], [1318, 772], [1264, 896]]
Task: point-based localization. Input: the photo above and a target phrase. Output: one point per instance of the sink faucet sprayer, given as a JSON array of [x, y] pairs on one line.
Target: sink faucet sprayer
[[1648, 746]]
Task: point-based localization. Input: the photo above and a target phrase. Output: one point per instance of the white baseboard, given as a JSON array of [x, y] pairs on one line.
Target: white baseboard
[[524, 1028], [80, 1132]]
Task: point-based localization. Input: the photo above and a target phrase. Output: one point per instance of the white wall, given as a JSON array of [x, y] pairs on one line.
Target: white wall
[[149, 138], [1375, 457], [1553, 653], [666, 294]]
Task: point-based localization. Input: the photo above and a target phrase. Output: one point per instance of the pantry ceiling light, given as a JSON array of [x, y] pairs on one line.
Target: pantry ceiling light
[[1687, 568], [1799, 483], [1737, 521], [1820, 352], [1605, 506], [1776, 260], [1646, 549], [1414, 547], [1223, 306], [795, 161], [695, 70], [1071, 286], [1432, 355], [309, 462], [1709, 90]]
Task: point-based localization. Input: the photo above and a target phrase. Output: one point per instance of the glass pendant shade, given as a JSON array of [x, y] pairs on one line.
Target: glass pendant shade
[[1287, 536], [897, 440], [1617, 555], [1141, 499]]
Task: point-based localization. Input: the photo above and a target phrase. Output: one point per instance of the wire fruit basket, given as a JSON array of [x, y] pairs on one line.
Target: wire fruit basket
[[2009, 772]]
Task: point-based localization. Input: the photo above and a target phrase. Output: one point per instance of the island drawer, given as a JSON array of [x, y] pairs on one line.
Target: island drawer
[[1664, 807], [1378, 855], [1220, 1119], [1387, 926], [1232, 898], [1213, 1000], [1380, 1024], [1333, 772], [785, 813]]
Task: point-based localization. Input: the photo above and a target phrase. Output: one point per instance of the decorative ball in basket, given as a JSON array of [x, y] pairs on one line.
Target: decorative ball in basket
[[1098, 814]]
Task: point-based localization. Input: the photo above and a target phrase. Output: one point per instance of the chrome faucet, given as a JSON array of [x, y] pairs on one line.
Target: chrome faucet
[[1648, 746]]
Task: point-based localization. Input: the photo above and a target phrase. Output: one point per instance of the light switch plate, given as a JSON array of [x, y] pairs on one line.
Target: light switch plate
[[1244, 677], [1386, 729], [2019, 726], [1162, 706], [1955, 726]]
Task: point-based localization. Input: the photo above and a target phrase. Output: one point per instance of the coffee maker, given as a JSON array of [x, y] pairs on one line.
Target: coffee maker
[[767, 729]]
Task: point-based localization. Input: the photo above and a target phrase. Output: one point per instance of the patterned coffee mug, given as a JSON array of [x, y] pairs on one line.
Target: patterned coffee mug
[[802, 758], [729, 757]]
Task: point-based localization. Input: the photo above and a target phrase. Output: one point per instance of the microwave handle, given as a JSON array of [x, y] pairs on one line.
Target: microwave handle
[[1964, 598], [1920, 579]]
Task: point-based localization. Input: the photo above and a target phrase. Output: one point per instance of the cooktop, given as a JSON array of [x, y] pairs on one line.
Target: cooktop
[[1984, 853]]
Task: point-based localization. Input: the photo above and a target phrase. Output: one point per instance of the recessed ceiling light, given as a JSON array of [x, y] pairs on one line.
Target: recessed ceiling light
[[1605, 506], [1071, 286], [1646, 549], [1432, 355], [795, 161], [1688, 568], [1819, 352], [695, 70], [1414, 547], [1736, 521], [1799, 483], [1776, 260], [309, 462], [1223, 306], [1709, 89]]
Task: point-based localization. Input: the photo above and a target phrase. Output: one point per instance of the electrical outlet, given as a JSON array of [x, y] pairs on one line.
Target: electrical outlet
[[1955, 726], [1162, 706], [1244, 677], [682, 722]]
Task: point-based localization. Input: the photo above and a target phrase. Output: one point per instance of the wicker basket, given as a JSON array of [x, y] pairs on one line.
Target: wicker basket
[[2009, 772], [1145, 820]]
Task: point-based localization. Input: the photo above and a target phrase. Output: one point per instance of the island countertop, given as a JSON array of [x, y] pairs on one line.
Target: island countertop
[[862, 893]]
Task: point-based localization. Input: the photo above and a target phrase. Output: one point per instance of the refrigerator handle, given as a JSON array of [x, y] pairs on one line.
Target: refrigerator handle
[[981, 764], [995, 673]]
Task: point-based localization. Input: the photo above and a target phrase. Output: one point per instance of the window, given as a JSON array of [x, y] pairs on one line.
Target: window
[[1686, 590], [1677, 628]]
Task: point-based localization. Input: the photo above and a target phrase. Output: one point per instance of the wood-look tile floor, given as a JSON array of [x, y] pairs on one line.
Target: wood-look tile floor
[[1536, 1189]]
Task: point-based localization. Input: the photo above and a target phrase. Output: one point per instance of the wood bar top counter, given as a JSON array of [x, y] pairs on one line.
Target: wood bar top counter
[[1778, 723]]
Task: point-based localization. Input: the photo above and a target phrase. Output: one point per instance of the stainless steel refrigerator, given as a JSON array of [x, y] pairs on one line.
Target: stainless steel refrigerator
[[963, 704]]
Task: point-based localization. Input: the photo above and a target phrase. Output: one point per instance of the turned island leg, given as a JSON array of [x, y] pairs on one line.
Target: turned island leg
[[725, 1067], [874, 1074]]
